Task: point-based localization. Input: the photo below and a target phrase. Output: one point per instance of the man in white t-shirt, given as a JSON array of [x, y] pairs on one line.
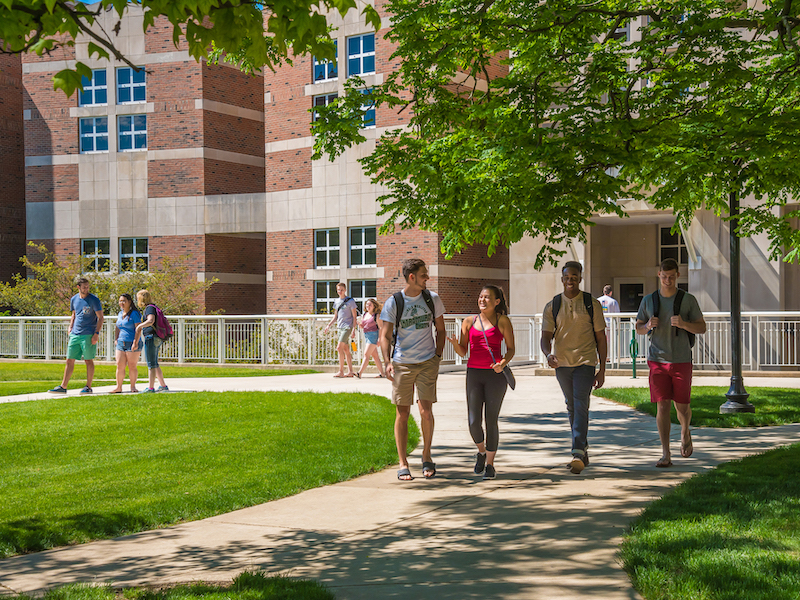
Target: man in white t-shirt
[[414, 359], [609, 304]]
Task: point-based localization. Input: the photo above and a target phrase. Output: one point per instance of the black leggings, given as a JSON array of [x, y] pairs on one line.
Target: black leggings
[[485, 388]]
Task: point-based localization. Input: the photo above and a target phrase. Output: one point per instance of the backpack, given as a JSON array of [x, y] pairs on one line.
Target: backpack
[[346, 300], [162, 326], [400, 303], [676, 310]]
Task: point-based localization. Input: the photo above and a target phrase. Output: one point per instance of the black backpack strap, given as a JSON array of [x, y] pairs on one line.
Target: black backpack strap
[[556, 308], [399, 305], [426, 295], [587, 302], [676, 305]]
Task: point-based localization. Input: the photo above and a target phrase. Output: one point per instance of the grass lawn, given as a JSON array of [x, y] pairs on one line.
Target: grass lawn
[[730, 534], [81, 468], [774, 406], [32, 377], [247, 586]]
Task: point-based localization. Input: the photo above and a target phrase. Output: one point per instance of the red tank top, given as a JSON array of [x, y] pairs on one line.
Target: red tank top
[[479, 356]]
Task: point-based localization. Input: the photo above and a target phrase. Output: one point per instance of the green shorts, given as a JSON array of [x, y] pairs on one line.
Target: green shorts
[[344, 334], [81, 347]]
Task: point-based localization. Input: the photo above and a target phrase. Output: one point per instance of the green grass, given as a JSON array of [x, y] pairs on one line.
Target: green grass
[[730, 534], [32, 377], [774, 406], [247, 586], [78, 468]]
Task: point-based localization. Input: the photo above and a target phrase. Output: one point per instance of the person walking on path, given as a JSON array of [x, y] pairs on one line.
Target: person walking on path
[[410, 318], [84, 333], [609, 304], [152, 342], [128, 342], [344, 315], [371, 324], [672, 318], [574, 321], [482, 336]]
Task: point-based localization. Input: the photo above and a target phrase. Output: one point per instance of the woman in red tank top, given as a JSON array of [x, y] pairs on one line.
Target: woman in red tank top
[[482, 336]]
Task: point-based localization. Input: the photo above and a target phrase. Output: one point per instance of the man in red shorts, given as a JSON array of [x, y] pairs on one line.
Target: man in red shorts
[[672, 318]]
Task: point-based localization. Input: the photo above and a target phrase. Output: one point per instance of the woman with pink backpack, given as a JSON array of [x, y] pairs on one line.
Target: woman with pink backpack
[[155, 334]]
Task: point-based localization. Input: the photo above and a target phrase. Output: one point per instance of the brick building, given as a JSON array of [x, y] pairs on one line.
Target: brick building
[[12, 176], [199, 160]]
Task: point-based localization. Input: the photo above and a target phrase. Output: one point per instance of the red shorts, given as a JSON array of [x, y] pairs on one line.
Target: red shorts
[[670, 381]]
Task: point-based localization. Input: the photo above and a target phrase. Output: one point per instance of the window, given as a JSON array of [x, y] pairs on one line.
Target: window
[[132, 133], [133, 254], [369, 109], [325, 295], [326, 70], [361, 291], [673, 246], [95, 90], [94, 134], [622, 33], [131, 85], [98, 253], [326, 244], [323, 100], [362, 247], [361, 54]]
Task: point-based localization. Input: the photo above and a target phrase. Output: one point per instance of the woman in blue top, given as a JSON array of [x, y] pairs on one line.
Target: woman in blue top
[[129, 344]]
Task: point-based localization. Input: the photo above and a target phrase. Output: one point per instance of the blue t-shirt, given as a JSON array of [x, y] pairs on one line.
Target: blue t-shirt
[[415, 341], [85, 310], [344, 313], [127, 325]]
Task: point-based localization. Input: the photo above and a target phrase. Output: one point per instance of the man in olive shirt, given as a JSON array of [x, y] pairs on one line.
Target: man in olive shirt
[[574, 320]]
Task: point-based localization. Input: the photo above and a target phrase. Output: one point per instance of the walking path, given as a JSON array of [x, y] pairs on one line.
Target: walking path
[[536, 532]]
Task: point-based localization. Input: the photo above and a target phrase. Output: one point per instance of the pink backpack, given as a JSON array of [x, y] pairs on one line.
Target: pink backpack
[[162, 325]]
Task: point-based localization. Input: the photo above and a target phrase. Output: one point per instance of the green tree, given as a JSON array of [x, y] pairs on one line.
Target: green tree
[[51, 283], [257, 33], [701, 100]]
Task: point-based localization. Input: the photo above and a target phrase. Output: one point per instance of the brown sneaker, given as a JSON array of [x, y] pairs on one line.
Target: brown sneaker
[[576, 466]]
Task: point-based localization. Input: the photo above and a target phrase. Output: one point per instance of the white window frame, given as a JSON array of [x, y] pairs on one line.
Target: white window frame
[[681, 245], [330, 297], [94, 136], [328, 248], [91, 86], [361, 55], [369, 121], [131, 132], [134, 256], [362, 247], [326, 100], [363, 296], [328, 65], [131, 85], [97, 256]]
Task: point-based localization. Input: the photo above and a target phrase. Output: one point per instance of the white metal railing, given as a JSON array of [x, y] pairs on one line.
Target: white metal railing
[[770, 340]]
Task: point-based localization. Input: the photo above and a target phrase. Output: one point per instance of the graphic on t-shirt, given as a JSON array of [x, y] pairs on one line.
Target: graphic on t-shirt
[[417, 318]]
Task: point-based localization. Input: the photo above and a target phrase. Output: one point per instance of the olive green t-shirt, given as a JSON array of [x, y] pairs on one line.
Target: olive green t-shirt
[[574, 340]]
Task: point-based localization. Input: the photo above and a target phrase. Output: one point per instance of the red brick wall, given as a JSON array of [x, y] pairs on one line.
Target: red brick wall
[[392, 250], [233, 134], [60, 52], [51, 130], [235, 254], [477, 256], [56, 183], [231, 86], [181, 177], [289, 254], [159, 38], [12, 181], [237, 299], [232, 178], [461, 295], [191, 246], [288, 170], [287, 114]]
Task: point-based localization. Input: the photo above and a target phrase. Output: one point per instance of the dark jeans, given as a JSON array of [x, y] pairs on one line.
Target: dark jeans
[[576, 383]]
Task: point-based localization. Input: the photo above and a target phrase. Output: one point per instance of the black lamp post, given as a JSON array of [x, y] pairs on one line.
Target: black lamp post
[[737, 396]]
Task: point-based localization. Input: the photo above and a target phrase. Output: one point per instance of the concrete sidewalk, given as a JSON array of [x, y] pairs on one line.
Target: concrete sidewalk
[[536, 532]]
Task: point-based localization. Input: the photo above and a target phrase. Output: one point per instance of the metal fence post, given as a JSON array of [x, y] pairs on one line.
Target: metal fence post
[[310, 336], [181, 340], [264, 341], [457, 333], [220, 340], [21, 339], [48, 339]]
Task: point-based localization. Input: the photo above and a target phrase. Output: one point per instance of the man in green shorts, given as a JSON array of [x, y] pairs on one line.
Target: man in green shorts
[[84, 332]]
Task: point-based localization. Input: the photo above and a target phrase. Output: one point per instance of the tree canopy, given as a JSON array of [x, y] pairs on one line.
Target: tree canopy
[[258, 33], [529, 117]]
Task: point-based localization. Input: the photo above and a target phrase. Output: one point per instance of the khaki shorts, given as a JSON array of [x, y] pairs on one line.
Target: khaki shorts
[[423, 374], [344, 333]]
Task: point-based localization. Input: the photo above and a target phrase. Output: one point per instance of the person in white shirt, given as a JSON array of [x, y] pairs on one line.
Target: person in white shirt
[[609, 304]]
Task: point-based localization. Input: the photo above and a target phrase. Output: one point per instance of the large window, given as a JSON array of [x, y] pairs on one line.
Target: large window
[[362, 247], [98, 253], [322, 100], [361, 54], [94, 134], [95, 90], [133, 254], [132, 132], [131, 86], [673, 246], [326, 246], [326, 70], [369, 109], [363, 290], [324, 296]]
